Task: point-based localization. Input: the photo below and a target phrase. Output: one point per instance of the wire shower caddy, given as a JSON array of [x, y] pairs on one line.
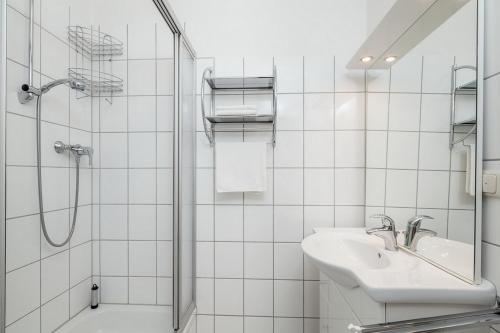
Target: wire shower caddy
[[93, 45]]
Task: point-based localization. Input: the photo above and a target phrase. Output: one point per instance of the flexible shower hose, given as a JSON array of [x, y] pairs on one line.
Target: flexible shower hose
[[40, 189]]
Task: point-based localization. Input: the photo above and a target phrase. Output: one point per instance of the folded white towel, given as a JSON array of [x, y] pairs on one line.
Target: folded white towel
[[236, 110], [240, 167]]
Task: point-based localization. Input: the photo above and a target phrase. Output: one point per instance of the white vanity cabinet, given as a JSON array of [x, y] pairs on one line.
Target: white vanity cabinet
[[341, 306]]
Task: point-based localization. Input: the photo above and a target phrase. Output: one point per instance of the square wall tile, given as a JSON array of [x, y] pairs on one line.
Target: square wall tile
[[142, 290], [114, 290], [258, 297], [288, 261], [349, 111], [288, 223], [401, 188], [22, 292], [228, 260], [319, 74], [54, 275], [375, 187], [350, 186], [406, 74], [318, 216], [288, 186], [434, 151], [290, 112], [113, 222], [288, 298], [349, 216], [142, 258], [229, 296], [142, 222], [377, 111], [228, 223], [165, 257], [228, 324], [319, 186], [258, 260], [19, 254], [433, 189], [142, 186], [205, 259], [55, 313], [142, 150], [350, 149], [258, 223], [205, 295], [402, 150], [404, 112], [114, 259], [319, 111], [290, 71], [141, 113], [318, 149], [113, 184], [376, 149], [283, 155], [435, 113]]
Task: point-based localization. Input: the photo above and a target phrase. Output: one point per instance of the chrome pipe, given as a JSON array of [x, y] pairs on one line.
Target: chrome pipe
[[25, 95], [433, 324], [30, 42]]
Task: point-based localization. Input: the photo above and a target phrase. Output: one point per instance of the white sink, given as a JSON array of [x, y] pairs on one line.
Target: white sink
[[352, 258]]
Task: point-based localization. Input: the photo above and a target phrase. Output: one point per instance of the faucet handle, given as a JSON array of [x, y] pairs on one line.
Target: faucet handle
[[386, 220], [415, 221]]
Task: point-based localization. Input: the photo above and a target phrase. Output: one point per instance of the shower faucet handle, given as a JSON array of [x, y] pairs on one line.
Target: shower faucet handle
[[77, 150]]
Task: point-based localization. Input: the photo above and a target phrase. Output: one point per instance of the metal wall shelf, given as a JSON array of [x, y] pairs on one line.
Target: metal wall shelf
[[469, 88], [211, 120]]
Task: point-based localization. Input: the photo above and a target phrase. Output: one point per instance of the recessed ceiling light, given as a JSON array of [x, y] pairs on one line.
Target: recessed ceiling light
[[366, 59], [390, 59]]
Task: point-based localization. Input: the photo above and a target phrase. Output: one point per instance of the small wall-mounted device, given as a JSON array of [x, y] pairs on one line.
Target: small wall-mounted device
[[490, 183], [94, 297]]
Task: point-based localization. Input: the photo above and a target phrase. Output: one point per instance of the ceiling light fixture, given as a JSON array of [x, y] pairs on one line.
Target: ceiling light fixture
[[366, 59], [390, 59]]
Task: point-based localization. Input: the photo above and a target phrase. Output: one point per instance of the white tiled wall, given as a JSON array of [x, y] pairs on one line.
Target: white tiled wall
[[251, 273], [410, 169], [133, 182], [491, 206], [46, 286]]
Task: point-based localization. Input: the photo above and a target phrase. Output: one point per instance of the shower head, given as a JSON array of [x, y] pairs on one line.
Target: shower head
[[73, 84]]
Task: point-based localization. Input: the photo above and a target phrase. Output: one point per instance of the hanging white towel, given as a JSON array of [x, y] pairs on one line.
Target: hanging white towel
[[470, 171], [236, 110], [240, 167]]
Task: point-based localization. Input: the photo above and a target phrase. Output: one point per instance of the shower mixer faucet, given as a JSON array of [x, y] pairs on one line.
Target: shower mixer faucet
[[77, 150]]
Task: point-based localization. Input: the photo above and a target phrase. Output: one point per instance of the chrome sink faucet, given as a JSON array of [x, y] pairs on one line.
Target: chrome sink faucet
[[414, 232], [387, 232]]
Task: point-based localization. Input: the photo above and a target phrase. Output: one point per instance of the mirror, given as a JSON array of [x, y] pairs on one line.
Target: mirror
[[421, 145]]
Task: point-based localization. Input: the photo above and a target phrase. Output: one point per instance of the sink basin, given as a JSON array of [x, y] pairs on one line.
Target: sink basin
[[456, 256], [353, 259]]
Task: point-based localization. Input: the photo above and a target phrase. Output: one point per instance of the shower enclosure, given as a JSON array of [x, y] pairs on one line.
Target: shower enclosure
[[133, 112]]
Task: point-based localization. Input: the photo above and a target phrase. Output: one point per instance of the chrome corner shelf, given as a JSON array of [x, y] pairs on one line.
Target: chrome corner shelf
[[97, 82], [210, 120], [93, 43], [469, 88]]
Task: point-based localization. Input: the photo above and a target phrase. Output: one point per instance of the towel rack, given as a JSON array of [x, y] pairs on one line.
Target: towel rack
[[434, 324], [469, 88], [213, 123]]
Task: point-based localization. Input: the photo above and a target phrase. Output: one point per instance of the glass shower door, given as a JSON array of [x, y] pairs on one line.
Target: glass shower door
[[184, 270]]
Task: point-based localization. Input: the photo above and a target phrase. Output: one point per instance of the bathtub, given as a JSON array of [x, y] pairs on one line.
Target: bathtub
[[110, 318]]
